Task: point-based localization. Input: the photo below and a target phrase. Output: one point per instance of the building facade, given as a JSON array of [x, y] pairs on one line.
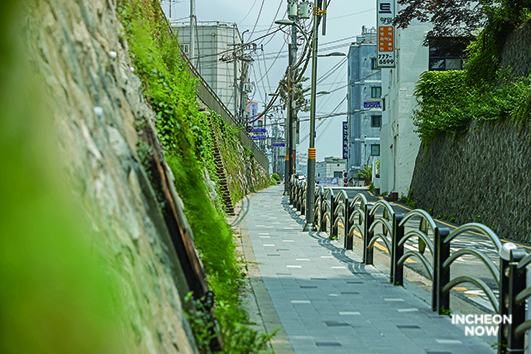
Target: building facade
[[399, 142], [364, 103], [330, 168], [221, 60]]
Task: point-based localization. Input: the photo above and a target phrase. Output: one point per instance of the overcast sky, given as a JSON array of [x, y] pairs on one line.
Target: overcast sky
[[345, 19]]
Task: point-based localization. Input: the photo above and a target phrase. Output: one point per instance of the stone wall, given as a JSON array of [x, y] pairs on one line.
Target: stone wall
[[516, 52], [483, 175], [79, 54]]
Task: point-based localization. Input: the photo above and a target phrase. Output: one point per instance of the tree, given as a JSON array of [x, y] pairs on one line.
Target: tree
[[462, 18]]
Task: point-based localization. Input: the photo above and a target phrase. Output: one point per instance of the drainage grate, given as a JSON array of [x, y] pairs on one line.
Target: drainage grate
[[349, 292]]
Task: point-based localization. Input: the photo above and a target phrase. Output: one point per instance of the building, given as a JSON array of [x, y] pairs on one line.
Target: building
[[399, 142], [329, 171], [221, 60], [364, 102]]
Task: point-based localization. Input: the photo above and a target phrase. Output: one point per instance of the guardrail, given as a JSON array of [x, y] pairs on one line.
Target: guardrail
[[433, 250]]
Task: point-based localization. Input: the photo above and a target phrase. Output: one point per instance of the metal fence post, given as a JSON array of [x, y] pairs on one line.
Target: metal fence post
[[517, 283], [368, 254], [333, 206], [442, 251], [397, 272], [502, 297], [347, 225], [322, 204]]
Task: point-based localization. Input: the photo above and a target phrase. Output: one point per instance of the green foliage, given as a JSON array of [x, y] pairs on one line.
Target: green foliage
[[447, 104], [446, 312], [276, 177], [408, 200], [240, 339], [365, 173], [484, 53], [185, 135], [371, 187], [201, 321], [56, 294]]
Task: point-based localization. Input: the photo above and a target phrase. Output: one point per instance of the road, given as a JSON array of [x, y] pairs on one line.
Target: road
[[465, 265]]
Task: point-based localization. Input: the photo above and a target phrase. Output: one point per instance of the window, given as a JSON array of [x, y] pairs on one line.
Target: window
[[447, 53], [338, 174], [374, 64], [184, 48], [375, 150], [376, 92], [259, 124], [376, 121]]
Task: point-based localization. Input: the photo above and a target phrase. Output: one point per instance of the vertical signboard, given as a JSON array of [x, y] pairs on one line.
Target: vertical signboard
[[385, 13], [253, 112], [345, 140]]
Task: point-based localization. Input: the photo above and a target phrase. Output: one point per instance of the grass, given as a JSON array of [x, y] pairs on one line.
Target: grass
[[185, 135]]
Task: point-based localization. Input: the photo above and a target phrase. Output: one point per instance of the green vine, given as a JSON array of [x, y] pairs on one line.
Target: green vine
[[185, 134]]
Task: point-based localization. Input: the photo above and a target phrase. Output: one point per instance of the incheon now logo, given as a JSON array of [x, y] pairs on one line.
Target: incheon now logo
[[480, 325]]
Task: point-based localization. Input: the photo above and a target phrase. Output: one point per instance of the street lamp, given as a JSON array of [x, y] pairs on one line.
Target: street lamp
[[310, 191], [333, 54]]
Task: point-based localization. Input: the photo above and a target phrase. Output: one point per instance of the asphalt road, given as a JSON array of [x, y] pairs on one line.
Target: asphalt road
[[466, 265]]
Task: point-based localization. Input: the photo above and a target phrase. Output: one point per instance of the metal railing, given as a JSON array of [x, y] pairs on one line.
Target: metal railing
[[432, 249]]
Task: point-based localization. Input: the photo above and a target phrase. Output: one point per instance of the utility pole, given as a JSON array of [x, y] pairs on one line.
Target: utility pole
[[310, 191], [290, 136], [192, 29], [235, 72]]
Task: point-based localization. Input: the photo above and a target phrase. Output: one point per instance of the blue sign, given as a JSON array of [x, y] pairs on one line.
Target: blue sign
[[345, 140], [371, 104], [278, 144], [258, 131], [329, 181], [259, 138]]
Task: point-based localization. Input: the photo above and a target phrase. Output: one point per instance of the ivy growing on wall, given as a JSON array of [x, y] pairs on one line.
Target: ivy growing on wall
[[184, 132]]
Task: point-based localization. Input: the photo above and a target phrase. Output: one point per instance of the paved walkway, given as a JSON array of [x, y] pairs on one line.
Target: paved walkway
[[325, 300]]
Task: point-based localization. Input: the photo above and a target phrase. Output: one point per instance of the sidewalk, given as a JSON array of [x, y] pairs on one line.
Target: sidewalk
[[325, 300]]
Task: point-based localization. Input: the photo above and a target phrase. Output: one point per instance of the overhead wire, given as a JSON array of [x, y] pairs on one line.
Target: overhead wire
[[251, 9]]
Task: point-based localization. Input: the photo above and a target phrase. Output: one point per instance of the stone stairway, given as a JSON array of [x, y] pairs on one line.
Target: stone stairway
[[220, 171]]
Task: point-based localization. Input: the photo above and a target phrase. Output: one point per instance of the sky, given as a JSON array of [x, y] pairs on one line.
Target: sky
[[345, 19]]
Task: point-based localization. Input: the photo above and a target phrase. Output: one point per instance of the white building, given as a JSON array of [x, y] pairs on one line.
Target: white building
[[219, 58], [329, 171], [399, 142]]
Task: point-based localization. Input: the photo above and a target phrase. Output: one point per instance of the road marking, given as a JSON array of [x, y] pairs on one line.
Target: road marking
[[265, 236], [448, 341], [300, 302], [349, 313], [302, 259], [460, 288], [455, 227], [407, 310], [382, 248], [294, 266], [269, 245], [397, 299], [339, 267]]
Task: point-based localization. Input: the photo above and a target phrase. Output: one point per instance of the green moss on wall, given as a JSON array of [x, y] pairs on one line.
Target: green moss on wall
[[185, 135]]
